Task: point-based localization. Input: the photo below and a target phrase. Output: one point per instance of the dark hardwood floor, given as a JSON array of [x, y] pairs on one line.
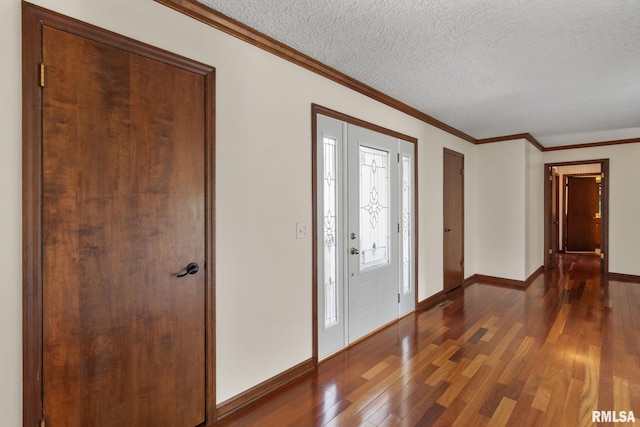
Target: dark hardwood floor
[[546, 356]]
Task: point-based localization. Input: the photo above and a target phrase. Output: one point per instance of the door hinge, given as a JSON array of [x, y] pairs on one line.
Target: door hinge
[[398, 157], [550, 178], [550, 251], [462, 171], [42, 423], [462, 263], [42, 74], [398, 227], [602, 175], [398, 297], [602, 255]]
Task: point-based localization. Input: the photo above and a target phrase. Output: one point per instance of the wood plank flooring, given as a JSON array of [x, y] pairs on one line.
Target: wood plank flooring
[[545, 356]]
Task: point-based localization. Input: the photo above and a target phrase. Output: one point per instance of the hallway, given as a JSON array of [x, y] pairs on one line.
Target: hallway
[[548, 355]]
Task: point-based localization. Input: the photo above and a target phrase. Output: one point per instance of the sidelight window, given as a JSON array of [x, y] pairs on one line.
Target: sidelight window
[[330, 207], [406, 224]]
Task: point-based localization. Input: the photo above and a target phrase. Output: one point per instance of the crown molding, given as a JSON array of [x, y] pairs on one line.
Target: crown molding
[[215, 19], [542, 148], [594, 144], [243, 32], [526, 136]]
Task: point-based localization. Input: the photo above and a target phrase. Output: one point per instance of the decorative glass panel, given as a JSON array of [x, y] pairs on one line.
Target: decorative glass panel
[[374, 207], [406, 224], [329, 178]]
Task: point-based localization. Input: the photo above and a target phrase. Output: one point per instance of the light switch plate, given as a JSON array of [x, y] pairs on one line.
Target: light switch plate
[[302, 230]]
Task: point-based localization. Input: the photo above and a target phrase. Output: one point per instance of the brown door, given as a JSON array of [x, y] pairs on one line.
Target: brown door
[[123, 212], [555, 219], [453, 219], [582, 207], [556, 213]]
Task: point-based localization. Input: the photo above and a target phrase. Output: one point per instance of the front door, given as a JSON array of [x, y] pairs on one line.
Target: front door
[[373, 242], [124, 211], [365, 229]]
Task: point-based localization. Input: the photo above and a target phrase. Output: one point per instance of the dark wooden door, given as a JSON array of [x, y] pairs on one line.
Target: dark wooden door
[[453, 229], [123, 212], [555, 218], [582, 207]]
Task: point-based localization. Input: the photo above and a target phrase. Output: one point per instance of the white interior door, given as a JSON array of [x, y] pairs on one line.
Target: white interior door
[[372, 228], [365, 223]]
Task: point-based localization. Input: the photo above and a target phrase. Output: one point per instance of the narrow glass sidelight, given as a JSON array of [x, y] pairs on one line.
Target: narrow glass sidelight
[[406, 224], [374, 209], [330, 208]]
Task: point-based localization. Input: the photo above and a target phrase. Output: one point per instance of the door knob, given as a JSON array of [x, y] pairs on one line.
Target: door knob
[[446, 230], [192, 268], [355, 251]]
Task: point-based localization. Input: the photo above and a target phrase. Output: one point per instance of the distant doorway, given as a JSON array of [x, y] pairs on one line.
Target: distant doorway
[[577, 210]]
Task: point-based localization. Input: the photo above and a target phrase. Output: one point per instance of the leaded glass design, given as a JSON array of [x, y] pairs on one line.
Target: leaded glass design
[[406, 224], [374, 207], [329, 178]]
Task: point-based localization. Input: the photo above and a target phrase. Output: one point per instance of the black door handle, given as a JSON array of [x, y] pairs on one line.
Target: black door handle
[[446, 230], [192, 268]]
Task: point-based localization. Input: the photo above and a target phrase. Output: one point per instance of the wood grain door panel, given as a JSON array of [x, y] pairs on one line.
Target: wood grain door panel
[[123, 212], [453, 227], [582, 206]]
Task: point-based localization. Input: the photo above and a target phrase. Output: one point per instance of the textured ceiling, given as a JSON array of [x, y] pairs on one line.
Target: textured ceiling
[[565, 71]]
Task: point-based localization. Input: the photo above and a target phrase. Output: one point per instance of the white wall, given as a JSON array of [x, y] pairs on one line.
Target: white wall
[[510, 207], [10, 216], [501, 209], [534, 221], [624, 200]]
